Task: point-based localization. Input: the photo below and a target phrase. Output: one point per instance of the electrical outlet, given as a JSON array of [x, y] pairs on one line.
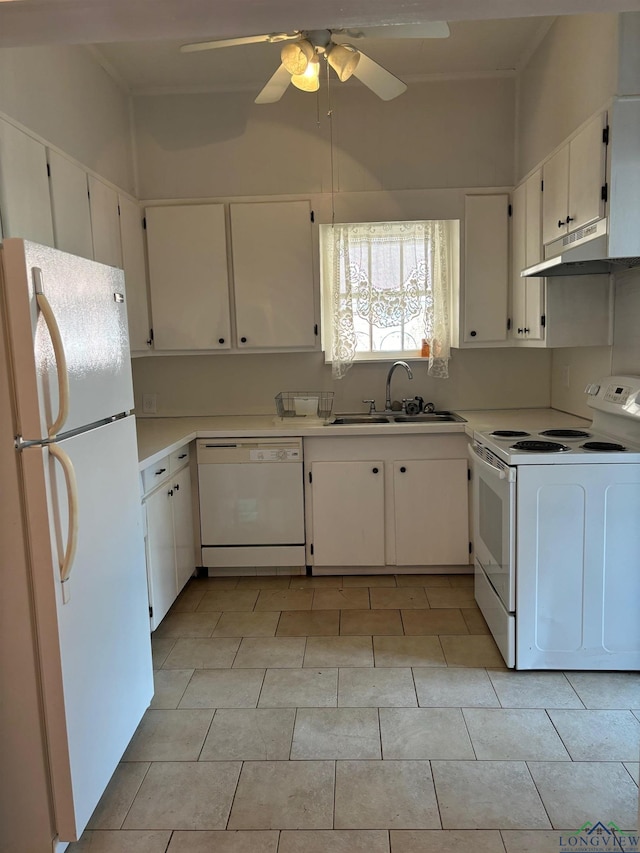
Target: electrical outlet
[[149, 402], [566, 377]]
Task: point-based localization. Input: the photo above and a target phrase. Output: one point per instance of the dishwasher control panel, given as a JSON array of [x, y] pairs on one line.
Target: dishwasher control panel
[[275, 454]]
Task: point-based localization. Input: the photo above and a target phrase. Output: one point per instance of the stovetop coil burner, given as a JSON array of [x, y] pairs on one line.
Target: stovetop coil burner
[[565, 433], [509, 433], [540, 446], [606, 446]]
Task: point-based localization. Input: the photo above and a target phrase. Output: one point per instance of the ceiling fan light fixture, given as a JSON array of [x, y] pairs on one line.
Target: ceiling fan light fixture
[[309, 81], [343, 58], [296, 56]]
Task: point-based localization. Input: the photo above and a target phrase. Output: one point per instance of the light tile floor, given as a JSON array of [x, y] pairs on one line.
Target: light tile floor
[[368, 714]]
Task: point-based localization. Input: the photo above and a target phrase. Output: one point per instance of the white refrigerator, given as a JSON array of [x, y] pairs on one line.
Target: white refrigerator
[[72, 534]]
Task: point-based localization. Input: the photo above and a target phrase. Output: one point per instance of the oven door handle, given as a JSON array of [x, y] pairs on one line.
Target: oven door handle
[[507, 473]]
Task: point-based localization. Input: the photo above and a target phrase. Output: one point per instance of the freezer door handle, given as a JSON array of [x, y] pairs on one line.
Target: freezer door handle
[[72, 534], [58, 350]]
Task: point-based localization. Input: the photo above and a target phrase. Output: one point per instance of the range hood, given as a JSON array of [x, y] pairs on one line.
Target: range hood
[[584, 252]]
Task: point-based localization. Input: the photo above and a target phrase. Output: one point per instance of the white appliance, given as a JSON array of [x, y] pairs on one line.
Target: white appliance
[[557, 538], [251, 503], [66, 360]]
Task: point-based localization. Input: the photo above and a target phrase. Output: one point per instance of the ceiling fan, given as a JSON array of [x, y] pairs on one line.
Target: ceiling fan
[[301, 52]]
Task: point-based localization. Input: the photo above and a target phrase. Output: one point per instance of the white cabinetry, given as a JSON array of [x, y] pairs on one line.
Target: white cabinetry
[[527, 294], [135, 273], [482, 310], [70, 206], [348, 513], [273, 274], [25, 207], [188, 277], [105, 223], [574, 178], [167, 506], [387, 501]]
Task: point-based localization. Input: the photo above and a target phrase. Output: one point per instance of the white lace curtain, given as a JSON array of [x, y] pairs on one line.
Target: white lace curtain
[[393, 276]]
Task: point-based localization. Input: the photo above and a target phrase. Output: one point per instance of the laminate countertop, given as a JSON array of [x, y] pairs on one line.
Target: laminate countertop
[[158, 437]]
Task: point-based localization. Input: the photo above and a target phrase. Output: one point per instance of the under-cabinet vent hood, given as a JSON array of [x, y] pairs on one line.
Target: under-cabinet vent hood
[[584, 252]]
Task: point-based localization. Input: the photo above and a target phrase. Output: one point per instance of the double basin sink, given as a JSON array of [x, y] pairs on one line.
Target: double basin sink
[[390, 418]]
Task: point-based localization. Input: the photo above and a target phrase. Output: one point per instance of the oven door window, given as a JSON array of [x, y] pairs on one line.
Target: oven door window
[[494, 531]]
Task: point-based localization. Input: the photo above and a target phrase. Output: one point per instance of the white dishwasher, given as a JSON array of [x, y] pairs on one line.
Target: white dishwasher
[[251, 503]]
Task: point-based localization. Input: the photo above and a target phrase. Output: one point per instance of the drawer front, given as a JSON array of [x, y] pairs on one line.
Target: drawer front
[[179, 458], [155, 474]]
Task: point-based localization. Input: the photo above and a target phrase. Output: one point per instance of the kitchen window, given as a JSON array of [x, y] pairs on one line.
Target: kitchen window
[[386, 291]]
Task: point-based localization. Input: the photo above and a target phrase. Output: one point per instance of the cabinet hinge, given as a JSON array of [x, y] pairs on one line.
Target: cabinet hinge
[[543, 320], [313, 216], [315, 330], [470, 547], [150, 612], [48, 170], [89, 194], [118, 210], [144, 222], [150, 338], [541, 186], [311, 549], [604, 192], [510, 210], [468, 473], [508, 324], [605, 135], [310, 477]]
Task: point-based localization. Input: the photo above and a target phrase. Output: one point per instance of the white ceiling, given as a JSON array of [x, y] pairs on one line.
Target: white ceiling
[[138, 40]]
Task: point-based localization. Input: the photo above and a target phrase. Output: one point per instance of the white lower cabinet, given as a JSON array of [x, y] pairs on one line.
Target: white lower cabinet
[[169, 533], [388, 501], [348, 513]]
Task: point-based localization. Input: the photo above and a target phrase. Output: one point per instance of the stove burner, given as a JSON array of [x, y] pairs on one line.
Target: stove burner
[[509, 433], [607, 446], [540, 446], [565, 433]]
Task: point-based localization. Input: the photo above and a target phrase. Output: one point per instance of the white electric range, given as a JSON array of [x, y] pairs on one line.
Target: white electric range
[[556, 531]]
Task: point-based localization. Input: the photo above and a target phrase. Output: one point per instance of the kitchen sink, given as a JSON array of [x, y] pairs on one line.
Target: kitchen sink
[[424, 418], [429, 418]]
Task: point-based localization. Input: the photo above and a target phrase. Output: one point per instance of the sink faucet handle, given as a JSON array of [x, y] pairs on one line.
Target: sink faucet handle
[[372, 406], [429, 407]]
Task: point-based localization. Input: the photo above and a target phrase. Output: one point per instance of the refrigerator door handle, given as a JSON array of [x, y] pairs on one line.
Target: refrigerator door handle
[[72, 534], [58, 349]]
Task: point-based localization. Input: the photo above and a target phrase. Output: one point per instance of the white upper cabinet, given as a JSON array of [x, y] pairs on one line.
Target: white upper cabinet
[[574, 178], [273, 274], [527, 294], [25, 206], [484, 291], [105, 223], [188, 277], [70, 206], [134, 266]]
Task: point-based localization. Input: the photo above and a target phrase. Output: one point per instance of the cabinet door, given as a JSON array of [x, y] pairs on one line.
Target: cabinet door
[[587, 174], [133, 264], [183, 527], [188, 277], [518, 259], [486, 276], [533, 287], [161, 558], [70, 206], [105, 223], [431, 512], [348, 513], [273, 274], [555, 198], [25, 206]]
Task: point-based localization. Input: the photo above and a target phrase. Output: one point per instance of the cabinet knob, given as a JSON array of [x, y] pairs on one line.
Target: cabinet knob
[[170, 493], [243, 340], [161, 471], [177, 487], [375, 470], [220, 340], [403, 470], [473, 333], [570, 219], [182, 456], [520, 331], [561, 223], [526, 331]]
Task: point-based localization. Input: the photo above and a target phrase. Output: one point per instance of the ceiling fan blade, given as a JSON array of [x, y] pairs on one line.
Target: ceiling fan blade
[[275, 88], [378, 79], [211, 45], [430, 30]]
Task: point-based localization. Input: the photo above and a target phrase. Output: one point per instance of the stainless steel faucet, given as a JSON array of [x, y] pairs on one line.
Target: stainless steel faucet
[[387, 402]]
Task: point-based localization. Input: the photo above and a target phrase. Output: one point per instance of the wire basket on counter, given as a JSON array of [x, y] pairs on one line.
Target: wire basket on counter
[[305, 404]]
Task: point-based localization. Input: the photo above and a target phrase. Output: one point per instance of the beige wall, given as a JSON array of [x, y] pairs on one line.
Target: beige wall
[[570, 76], [438, 134], [247, 384], [64, 96]]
